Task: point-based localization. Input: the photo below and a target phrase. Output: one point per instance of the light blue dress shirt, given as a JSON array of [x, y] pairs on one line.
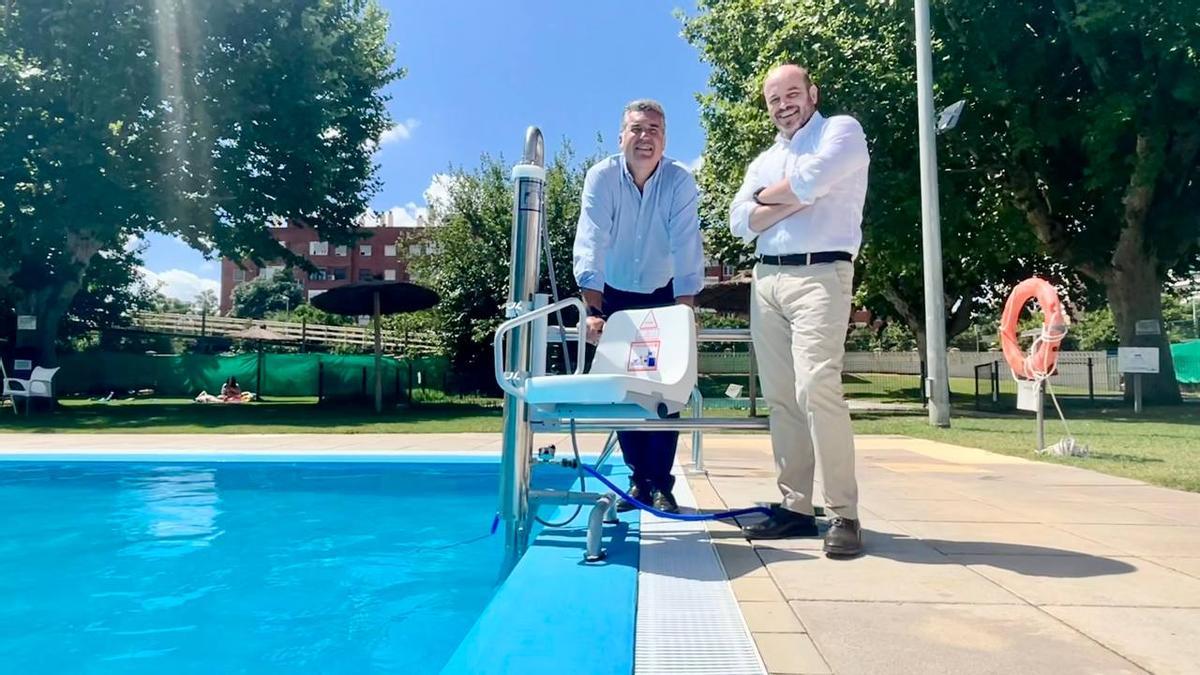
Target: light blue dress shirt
[[639, 240]]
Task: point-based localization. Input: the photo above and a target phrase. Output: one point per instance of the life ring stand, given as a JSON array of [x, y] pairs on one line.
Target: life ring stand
[[1043, 356]]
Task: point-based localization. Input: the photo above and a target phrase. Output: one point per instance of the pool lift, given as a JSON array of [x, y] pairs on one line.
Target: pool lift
[[644, 370]]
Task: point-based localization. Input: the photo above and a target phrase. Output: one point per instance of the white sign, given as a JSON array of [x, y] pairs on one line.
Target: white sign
[[733, 390], [1137, 359], [22, 364], [1027, 396], [26, 322], [1147, 327]]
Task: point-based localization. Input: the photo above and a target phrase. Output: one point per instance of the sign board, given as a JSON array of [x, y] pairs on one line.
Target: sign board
[[1147, 327], [1027, 396], [22, 364], [733, 390], [26, 322], [1137, 359]]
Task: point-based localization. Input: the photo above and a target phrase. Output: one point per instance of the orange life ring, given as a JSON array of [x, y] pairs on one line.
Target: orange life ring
[[1040, 363]]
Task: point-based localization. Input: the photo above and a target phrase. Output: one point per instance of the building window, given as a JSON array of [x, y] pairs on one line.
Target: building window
[[365, 275], [239, 275], [318, 248], [272, 270], [319, 275], [389, 250], [314, 293], [364, 250], [341, 251], [728, 270], [414, 250], [389, 275], [340, 273]]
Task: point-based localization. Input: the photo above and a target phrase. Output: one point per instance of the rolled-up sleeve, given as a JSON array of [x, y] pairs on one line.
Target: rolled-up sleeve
[[687, 245], [841, 151], [743, 206], [593, 233]]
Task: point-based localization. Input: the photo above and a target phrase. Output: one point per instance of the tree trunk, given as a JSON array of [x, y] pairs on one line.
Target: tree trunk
[[1135, 294], [50, 302], [48, 305]]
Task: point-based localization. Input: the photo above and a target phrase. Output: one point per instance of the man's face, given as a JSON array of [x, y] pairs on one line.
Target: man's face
[[643, 138], [791, 100]]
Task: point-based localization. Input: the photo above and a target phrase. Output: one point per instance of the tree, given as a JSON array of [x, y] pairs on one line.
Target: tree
[[204, 121], [1089, 121], [260, 296], [861, 56], [206, 302], [107, 297], [471, 262], [1084, 121]]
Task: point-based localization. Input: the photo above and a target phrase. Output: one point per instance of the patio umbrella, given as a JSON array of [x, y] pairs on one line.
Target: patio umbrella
[[259, 334], [376, 298], [729, 297]]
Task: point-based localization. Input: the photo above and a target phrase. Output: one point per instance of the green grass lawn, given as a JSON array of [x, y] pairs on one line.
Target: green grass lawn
[[1160, 446]]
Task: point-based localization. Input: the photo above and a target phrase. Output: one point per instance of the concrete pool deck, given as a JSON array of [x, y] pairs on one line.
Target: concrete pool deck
[[976, 562]]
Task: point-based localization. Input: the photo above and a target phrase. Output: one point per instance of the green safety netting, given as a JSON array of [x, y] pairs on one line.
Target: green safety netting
[[327, 375], [1187, 361]]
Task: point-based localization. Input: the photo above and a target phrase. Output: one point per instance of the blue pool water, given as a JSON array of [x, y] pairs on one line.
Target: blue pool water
[[242, 567]]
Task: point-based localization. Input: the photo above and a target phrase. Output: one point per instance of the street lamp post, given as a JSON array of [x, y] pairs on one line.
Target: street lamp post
[[937, 384]]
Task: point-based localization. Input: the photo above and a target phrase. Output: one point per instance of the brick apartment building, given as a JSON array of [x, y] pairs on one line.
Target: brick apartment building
[[395, 239]]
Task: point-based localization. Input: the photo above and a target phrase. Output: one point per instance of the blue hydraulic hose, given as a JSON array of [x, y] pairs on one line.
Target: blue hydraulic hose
[[675, 516]]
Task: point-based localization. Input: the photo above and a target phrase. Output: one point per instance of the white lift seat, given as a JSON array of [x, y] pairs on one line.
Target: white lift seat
[[646, 358]]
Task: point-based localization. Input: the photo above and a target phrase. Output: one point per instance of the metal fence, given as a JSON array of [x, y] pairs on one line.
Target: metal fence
[[1078, 376]]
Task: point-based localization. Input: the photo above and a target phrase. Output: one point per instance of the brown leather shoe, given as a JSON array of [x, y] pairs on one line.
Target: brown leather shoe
[[844, 538]]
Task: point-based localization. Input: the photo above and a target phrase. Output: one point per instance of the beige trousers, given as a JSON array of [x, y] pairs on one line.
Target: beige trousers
[[798, 320]]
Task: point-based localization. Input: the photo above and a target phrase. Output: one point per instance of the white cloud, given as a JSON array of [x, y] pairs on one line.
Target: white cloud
[[695, 165], [437, 196], [179, 284], [208, 266], [132, 242], [401, 131]]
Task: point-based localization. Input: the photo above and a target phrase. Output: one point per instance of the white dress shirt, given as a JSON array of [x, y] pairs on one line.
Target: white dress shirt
[[826, 164]]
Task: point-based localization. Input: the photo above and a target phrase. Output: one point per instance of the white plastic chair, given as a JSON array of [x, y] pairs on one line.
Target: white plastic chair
[[39, 385], [646, 359]]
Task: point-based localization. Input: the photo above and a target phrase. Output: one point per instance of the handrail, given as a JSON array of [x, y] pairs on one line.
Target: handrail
[[702, 335], [502, 377]]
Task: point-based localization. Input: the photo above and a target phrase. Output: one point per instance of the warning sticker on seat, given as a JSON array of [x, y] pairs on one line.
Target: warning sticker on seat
[[643, 356], [648, 327]]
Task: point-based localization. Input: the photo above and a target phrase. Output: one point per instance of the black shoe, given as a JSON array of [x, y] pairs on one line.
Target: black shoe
[[782, 524], [640, 492], [665, 502], [844, 538]]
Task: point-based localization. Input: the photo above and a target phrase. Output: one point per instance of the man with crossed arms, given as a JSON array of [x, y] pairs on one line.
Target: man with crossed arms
[[801, 203]]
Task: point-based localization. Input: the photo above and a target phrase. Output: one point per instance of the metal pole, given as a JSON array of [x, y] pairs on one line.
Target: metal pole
[[753, 384], [1137, 393], [528, 180], [1041, 417], [935, 310], [697, 435]]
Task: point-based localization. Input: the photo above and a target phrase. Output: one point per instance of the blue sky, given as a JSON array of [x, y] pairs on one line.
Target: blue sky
[[479, 73]]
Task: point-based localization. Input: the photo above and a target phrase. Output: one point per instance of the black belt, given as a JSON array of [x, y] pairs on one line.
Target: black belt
[[806, 258]]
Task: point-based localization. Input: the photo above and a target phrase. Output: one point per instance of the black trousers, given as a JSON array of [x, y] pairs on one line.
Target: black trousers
[[650, 454]]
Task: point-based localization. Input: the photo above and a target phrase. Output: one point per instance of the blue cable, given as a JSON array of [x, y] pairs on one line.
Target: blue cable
[[675, 516]]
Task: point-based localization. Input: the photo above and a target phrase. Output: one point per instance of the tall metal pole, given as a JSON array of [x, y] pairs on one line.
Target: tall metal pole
[[528, 178], [935, 322]]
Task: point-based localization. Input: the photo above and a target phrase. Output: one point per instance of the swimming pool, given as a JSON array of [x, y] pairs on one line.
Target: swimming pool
[[243, 566]]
